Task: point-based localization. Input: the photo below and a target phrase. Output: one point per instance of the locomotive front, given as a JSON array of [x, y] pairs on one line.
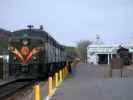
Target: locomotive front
[[25, 56]]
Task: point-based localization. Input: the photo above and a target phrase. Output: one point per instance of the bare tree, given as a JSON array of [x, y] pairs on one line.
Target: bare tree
[[82, 49]]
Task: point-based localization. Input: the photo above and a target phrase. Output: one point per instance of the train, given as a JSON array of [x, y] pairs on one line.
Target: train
[[125, 54], [35, 54]]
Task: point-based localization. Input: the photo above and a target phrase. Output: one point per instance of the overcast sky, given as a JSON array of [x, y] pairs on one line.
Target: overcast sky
[[68, 21]]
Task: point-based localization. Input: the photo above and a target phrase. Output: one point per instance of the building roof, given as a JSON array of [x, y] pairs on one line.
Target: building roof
[[107, 48]]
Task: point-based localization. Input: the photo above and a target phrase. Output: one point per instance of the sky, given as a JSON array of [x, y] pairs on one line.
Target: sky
[[70, 21]]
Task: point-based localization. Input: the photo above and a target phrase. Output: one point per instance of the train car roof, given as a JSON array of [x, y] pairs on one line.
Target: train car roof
[[35, 33]]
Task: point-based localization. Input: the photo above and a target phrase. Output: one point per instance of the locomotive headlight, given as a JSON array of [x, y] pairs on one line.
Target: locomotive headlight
[[34, 58], [25, 42]]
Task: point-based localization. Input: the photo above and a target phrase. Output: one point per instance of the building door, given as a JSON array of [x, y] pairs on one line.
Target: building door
[[103, 58]]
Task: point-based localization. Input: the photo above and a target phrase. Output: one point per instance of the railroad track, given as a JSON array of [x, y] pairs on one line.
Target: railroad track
[[11, 88]]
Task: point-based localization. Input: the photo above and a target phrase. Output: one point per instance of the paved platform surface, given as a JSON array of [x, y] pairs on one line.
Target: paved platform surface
[[92, 83]]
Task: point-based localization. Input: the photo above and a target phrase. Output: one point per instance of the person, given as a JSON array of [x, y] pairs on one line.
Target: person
[[73, 68], [69, 67], [116, 63]]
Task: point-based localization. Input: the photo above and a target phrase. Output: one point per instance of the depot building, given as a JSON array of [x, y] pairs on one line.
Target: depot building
[[102, 54]]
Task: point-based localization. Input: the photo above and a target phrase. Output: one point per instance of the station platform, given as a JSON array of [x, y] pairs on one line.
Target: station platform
[[91, 82]]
